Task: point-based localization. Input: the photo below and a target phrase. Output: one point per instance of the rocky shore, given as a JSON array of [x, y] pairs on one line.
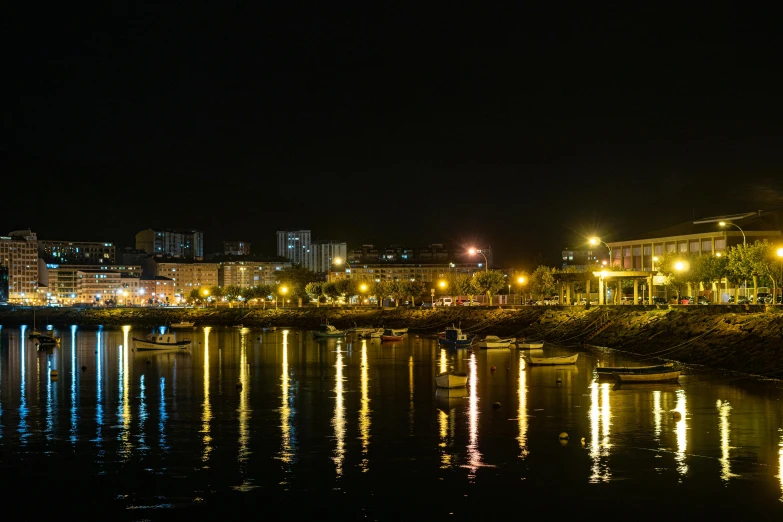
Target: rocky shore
[[742, 338]]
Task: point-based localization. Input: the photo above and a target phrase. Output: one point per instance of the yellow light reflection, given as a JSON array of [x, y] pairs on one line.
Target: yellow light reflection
[[244, 406], [522, 414], [474, 456], [411, 409], [126, 445], [338, 421], [724, 410], [206, 407], [364, 412], [286, 455], [681, 430], [657, 414], [444, 361], [780, 463], [600, 428]]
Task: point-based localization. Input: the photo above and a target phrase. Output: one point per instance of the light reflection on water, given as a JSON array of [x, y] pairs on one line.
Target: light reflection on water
[[342, 413]]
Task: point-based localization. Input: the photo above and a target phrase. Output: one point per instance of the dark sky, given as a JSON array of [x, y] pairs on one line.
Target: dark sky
[[525, 126]]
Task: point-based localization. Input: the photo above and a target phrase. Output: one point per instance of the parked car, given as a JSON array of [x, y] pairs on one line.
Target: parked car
[[658, 300], [764, 298], [741, 300], [702, 300]]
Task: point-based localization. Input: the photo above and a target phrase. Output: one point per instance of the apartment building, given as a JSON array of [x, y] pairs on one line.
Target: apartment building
[[186, 244], [19, 256], [236, 248], [247, 273], [62, 280], [428, 273], [294, 245], [186, 275], [77, 252], [324, 254]]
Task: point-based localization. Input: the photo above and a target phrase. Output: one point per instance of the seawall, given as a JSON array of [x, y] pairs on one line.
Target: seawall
[[741, 338]]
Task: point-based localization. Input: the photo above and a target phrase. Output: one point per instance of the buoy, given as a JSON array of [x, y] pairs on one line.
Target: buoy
[[96, 351], [563, 436], [53, 374], [559, 380], [84, 368], [493, 368], [583, 441], [677, 415], [239, 384], [496, 405]]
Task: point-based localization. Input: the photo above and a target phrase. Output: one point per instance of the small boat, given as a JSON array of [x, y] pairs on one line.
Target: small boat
[[400, 331], [269, 328], [493, 341], [608, 371], [362, 330], [326, 331], [41, 338], [522, 344], [548, 361], [646, 377], [451, 380], [454, 336], [391, 335], [183, 324], [158, 341]]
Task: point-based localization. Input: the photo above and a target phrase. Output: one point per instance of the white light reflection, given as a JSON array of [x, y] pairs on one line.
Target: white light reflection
[[780, 463], [142, 413], [600, 427], [162, 415], [724, 410], [286, 454], [474, 456], [50, 411], [681, 428], [124, 408], [364, 412], [522, 414], [657, 414], [206, 408], [23, 411], [98, 389], [338, 421], [74, 417]]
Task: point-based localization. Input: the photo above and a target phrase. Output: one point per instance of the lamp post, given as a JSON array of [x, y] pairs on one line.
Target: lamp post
[[774, 284], [363, 289], [473, 251], [443, 286], [205, 292], [679, 266], [521, 281], [724, 224], [283, 291], [596, 241]]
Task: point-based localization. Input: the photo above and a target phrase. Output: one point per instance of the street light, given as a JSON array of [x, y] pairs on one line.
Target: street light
[[521, 281], [774, 288], [724, 224], [596, 241], [206, 296], [473, 251], [679, 266], [283, 291]]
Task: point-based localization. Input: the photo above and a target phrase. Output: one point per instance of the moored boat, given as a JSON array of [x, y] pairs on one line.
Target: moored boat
[[454, 336], [608, 371], [493, 341], [391, 335], [183, 324], [328, 331], [161, 341], [544, 361], [647, 377], [523, 344], [451, 380]]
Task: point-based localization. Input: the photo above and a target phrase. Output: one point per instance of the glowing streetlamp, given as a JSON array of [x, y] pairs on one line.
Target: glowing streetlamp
[[597, 241], [679, 266], [205, 293], [283, 290], [724, 224], [521, 281], [473, 251]]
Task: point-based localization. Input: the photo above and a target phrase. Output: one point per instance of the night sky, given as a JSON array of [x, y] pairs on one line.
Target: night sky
[[521, 126]]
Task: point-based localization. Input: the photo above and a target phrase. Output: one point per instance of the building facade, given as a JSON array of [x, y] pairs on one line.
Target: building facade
[[579, 258], [187, 275], [249, 273], [428, 273], [323, 255], [236, 248], [77, 252], [433, 253], [19, 255], [62, 280], [186, 244], [294, 245]]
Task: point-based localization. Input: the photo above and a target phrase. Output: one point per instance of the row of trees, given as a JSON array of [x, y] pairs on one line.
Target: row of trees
[[760, 263]]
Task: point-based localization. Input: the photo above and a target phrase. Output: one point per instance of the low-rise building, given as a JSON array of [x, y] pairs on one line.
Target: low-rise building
[[19, 255]]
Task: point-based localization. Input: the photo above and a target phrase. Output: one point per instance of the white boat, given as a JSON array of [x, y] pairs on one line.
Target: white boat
[[542, 361], [158, 341], [41, 338], [451, 380], [522, 344], [493, 341], [400, 331], [183, 324], [377, 333], [363, 331], [652, 376]]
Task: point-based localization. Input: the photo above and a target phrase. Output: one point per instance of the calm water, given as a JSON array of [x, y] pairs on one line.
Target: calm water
[[356, 429]]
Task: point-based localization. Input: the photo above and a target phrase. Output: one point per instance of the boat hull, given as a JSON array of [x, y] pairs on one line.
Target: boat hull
[[321, 335], [149, 345], [609, 371], [530, 345], [451, 380], [450, 342], [627, 378], [553, 361], [183, 325], [485, 345]]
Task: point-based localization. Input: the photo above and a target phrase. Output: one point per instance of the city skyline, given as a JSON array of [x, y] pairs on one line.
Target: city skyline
[[528, 128]]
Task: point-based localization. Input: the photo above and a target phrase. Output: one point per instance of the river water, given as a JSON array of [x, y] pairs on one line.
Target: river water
[[355, 429]]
